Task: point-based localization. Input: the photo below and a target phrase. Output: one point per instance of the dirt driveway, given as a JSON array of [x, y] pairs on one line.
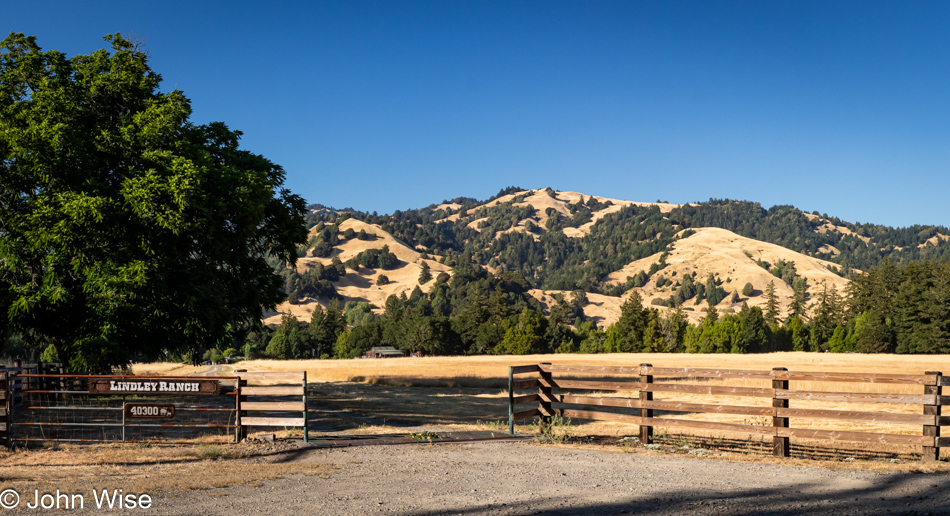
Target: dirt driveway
[[524, 478]]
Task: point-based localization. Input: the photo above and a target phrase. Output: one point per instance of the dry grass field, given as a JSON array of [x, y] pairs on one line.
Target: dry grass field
[[492, 370], [467, 392]]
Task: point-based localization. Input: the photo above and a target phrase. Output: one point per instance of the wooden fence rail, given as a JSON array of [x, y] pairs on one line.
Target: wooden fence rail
[[277, 399], [551, 399]]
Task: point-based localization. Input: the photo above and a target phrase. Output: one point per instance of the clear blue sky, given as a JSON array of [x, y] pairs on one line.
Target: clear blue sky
[[840, 107]]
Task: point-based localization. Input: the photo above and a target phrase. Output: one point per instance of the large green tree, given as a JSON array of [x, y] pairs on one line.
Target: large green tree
[[125, 228]]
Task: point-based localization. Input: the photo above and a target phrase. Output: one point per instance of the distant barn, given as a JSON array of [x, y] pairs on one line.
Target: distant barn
[[385, 352]]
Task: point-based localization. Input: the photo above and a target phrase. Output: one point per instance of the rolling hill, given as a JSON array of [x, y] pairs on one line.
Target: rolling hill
[[560, 242]]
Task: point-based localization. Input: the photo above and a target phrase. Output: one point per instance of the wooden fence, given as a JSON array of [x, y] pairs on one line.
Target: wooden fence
[[557, 396], [277, 399]]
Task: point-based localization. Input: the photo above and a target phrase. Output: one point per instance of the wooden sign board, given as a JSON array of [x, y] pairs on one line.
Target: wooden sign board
[[153, 386], [149, 410]]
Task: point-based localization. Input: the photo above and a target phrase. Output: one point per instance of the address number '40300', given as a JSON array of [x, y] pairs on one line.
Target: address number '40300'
[[149, 410]]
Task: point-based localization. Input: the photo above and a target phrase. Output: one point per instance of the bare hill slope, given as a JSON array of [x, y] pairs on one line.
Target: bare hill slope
[[362, 285], [731, 258]]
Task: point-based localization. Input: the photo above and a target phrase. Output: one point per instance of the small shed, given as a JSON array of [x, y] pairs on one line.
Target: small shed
[[385, 352]]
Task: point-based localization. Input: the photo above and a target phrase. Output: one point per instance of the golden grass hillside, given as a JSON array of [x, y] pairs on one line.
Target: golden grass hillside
[[733, 259], [709, 250], [362, 285]]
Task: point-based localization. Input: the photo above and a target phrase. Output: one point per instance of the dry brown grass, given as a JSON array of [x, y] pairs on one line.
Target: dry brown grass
[[159, 469], [167, 369], [492, 370]]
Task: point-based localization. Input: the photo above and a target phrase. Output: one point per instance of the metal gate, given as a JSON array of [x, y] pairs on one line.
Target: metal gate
[[131, 409]]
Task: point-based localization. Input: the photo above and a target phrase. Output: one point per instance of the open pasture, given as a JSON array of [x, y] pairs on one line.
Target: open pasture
[[492, 370], [458, 392]]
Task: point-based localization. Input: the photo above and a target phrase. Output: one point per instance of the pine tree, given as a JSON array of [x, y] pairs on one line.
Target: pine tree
[[824, 321], [797, 307], [631, 325], [771, 305], [425, 275], [912, 320], [938, 309]]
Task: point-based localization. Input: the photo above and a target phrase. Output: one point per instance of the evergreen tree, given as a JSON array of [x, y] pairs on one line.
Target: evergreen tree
[[771, 304], [287, 340], [425, 275], [526, 336], [825, 320], [629, 329], [754, 337], [797, 306], [798, 333], [672, 332], [937, 303], [912, 322], [325, 327]]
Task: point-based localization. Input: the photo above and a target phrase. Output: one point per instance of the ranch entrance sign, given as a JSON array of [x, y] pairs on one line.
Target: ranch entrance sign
[[42, 404], [154, 387]]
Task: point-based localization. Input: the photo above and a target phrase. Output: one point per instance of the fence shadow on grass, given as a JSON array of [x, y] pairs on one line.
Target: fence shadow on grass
[[336, 406]]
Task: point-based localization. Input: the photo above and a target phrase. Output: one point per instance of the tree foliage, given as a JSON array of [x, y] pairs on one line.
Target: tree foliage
[[125, 229]]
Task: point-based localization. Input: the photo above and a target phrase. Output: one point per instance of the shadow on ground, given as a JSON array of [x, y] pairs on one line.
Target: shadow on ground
[[890, 494], [337, 406]]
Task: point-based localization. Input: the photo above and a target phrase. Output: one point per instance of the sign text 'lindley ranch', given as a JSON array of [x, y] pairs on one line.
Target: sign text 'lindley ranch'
[[128, 386]]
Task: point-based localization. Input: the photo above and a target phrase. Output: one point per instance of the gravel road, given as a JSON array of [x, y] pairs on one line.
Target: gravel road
[[524, 478]]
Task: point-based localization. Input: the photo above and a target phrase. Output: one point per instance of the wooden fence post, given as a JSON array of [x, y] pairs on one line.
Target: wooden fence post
[[241, 429], [237, 410], [5, 407], [306, 419], [779, 444], [646, 431], [511, 400], [546, 393], [932, 453]]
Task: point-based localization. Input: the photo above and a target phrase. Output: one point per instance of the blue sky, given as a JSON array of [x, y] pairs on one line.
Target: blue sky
[[840, 107]]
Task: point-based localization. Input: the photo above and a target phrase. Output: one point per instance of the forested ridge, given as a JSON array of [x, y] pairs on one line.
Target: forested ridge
[[900, 303], [551, 260]]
